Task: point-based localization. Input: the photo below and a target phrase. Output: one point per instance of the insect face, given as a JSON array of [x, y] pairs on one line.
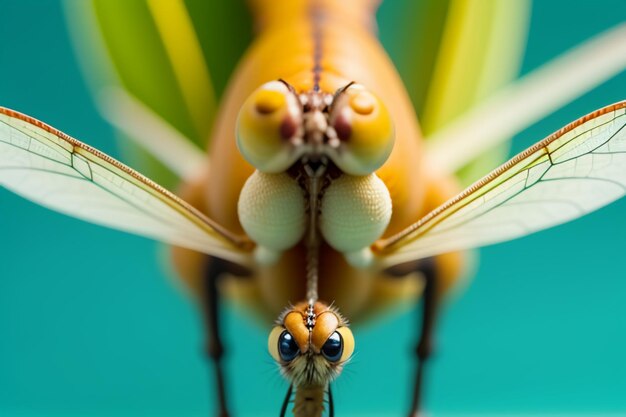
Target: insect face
[[278, 127], [311, 343], [318, 147]]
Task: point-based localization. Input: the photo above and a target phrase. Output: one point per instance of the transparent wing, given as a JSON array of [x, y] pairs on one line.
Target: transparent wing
[[50, 168], [575, 171]]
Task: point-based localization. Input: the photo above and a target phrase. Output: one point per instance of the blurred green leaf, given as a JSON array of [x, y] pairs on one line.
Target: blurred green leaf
[[129, 35], [141, 61], [411, 32], [452, 54], [225, 30]]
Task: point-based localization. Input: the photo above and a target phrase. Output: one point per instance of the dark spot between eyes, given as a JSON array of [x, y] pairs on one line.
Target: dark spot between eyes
[[343, 128], [288, 128]]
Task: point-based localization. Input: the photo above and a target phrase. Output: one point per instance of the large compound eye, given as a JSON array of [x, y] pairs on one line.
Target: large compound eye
[[364, 130], [269, 121], [282, 345], [287, 347], [333, 348]]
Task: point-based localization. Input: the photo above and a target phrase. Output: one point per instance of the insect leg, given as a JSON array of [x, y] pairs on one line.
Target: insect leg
[[424, 347], [283, 408], [216, 268], [331, 404], [425, 344]]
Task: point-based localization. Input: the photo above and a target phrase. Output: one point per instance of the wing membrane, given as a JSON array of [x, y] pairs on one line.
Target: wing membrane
[[575, 171], [50, 168]]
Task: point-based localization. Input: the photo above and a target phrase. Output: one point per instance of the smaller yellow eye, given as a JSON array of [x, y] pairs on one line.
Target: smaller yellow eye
[[348, 343], [269, 121], [364, 131]]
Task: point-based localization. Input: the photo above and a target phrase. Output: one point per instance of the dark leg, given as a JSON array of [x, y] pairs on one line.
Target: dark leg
[[214, 348], [429, 311], [425, 343], [331, 404], [283, 409]]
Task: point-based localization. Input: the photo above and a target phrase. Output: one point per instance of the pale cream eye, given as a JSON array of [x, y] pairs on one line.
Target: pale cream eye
[[355, 212], [269, 121], [364, 131], [271, 209]]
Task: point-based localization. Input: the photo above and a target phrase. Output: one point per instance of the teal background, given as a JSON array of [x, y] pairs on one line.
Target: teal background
[[92, 324]]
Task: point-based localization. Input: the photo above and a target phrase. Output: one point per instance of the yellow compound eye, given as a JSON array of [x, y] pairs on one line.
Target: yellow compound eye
[[269, 122], [272, 342], [364, 131], [348, 343]]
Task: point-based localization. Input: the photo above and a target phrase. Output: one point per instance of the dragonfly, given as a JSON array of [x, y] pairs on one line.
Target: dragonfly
[[56, 160]]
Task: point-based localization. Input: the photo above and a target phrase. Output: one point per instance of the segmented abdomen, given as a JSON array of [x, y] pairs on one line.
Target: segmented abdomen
[[309, 402]]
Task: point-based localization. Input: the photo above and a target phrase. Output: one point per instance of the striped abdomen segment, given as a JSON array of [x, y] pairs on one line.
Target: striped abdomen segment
[[309, 402], [301, 30]]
